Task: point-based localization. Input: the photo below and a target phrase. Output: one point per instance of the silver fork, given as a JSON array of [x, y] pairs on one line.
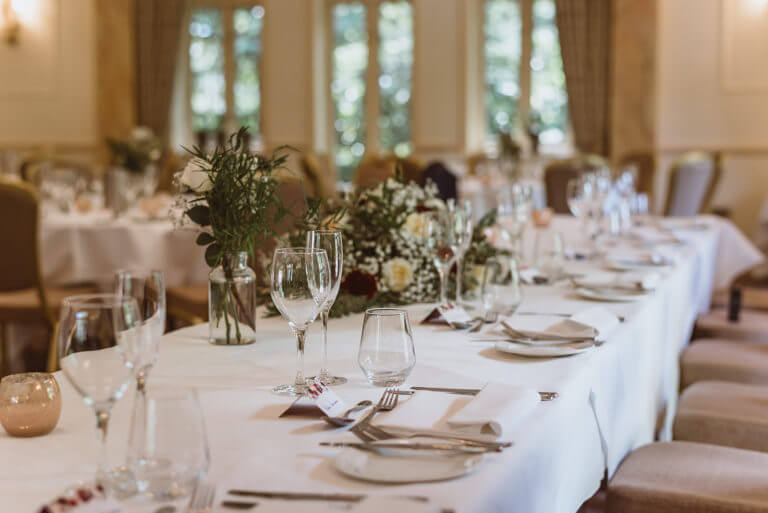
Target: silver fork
[[202, 498], [387, 402]]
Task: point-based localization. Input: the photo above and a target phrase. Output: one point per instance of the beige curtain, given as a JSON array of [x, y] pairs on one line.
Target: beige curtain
[[158, 26], [585, 40]]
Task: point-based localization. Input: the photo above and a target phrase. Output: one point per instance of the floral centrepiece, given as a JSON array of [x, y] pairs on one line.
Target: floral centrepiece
[[232, 199], [136, 153], [385, 259]]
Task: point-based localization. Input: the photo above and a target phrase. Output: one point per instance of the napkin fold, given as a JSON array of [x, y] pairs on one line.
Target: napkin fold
[[594, 322], [496, 409]]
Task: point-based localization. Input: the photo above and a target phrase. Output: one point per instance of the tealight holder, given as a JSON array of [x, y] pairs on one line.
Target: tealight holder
[[542, 218], [30, 404]]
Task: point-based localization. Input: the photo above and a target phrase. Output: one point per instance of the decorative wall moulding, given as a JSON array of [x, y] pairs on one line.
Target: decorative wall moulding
[[744, 46]]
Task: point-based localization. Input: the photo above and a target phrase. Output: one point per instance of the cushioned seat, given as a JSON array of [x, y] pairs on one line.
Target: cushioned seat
[[188, 303], [729, 414], [723, 360], [24, 305], [675, 477], [752, 325]]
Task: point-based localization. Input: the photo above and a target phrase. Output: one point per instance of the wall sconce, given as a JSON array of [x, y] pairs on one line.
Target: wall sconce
[[9, 23]]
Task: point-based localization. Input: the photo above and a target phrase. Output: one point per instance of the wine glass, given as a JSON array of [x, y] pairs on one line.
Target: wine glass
[[300, 286], [174, 455], [443, 245], [148, 288], [548, 253], [386, 354], [461, 222], [331, 242], [501, 292], [98, 342]]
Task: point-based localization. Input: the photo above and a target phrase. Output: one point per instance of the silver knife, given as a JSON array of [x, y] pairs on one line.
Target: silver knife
[[545, 396], [303, 496], [415, 446]]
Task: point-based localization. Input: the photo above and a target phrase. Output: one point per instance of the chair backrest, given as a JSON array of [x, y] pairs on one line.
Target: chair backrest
[[323, 184], [35, 170], [478, 160], [442, 177], [692, 182], [645, 164], [559, 172], [411, 168], [19, 221], [373, 170]]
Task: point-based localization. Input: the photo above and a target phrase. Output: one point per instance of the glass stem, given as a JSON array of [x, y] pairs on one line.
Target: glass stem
[[324, 368], [459, 268], [102, 470], [301, 337], [443, 285]]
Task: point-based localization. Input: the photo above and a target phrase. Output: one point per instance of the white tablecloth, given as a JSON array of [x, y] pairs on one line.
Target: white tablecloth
[[90, 248], [609, 403]]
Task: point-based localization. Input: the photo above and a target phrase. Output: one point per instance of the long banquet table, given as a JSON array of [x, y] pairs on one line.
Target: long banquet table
[[612, 399]]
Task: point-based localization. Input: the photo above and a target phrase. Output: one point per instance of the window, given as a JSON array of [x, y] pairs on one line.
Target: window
[[371, 80], [518, 32], [224, 55]]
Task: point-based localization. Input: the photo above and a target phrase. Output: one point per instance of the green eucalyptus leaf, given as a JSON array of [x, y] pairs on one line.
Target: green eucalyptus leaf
[[200, 214], [212, 255], [204, 239]]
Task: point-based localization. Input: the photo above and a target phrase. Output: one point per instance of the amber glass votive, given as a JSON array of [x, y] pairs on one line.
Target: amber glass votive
[[30, 403], [542, 217]]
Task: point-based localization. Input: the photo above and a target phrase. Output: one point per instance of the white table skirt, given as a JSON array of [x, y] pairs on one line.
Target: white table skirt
[[609, 403], [89, 248]]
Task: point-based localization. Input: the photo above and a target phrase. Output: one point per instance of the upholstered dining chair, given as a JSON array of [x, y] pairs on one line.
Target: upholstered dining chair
[[322, 183], [23, 296], [33, 170], [645, 164], [559, 172], [692, 182], [373, 170]]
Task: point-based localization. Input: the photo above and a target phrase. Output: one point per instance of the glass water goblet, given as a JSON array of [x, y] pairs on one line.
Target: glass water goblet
[[148, 288], [461, 222], [173, 457], [386, 353], [331, 242], [548, 253], [300, 285], [501, 292], [443, 245], [98, 340]]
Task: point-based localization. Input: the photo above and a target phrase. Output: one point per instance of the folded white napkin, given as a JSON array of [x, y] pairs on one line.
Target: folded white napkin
[[632, 280], [595, 322], [599, 318], [495, 410], [529, 275], [422, 410]]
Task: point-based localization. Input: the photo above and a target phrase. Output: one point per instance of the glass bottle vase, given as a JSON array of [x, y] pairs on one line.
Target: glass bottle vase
[[232, 301]]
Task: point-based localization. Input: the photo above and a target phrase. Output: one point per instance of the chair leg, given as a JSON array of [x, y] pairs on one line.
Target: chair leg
[[53, 356]]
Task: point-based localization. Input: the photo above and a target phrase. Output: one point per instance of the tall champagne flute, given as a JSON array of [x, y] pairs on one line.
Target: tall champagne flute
[[442, 243], [148, 288], [463, 228], [331, 242], [299, 286], [98, 341]]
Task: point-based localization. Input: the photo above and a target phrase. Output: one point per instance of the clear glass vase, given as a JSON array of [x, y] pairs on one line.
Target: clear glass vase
[[232, 301]]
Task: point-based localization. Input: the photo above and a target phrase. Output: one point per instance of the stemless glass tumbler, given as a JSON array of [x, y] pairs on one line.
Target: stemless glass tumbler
[[386, 354]]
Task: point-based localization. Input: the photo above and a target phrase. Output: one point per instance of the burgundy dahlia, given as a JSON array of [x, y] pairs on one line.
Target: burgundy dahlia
[[360, 283]]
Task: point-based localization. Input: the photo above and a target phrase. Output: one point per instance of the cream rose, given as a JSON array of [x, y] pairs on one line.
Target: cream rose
[[414, 225], [196, 176], [398, 274]]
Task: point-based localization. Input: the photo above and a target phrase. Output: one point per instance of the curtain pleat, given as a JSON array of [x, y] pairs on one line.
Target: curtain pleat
[[585, 40], [158, 29]]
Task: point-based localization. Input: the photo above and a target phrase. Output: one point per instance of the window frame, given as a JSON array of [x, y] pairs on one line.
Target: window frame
[[372, 92], [524, 101], [229, 120]]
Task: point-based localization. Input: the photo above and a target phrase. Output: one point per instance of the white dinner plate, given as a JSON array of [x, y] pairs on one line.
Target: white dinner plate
[[628, 264], [610, 296], [411, 467], [540, 351]]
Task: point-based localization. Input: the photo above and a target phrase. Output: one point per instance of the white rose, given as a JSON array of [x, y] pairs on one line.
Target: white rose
[[196, 176], [141, 133], [414, 225], [398, 274]]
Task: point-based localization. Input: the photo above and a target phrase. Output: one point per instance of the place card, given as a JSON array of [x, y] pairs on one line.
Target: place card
[[326, 399], [448, 314]]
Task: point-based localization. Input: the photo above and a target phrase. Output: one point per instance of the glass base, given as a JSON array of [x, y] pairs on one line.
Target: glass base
[[329, 380], [223, 341], [292, 389], [119, 482]]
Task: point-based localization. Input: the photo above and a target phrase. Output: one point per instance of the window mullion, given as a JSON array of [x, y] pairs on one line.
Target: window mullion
[[524, 102], [372, 80], [229, 68]]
